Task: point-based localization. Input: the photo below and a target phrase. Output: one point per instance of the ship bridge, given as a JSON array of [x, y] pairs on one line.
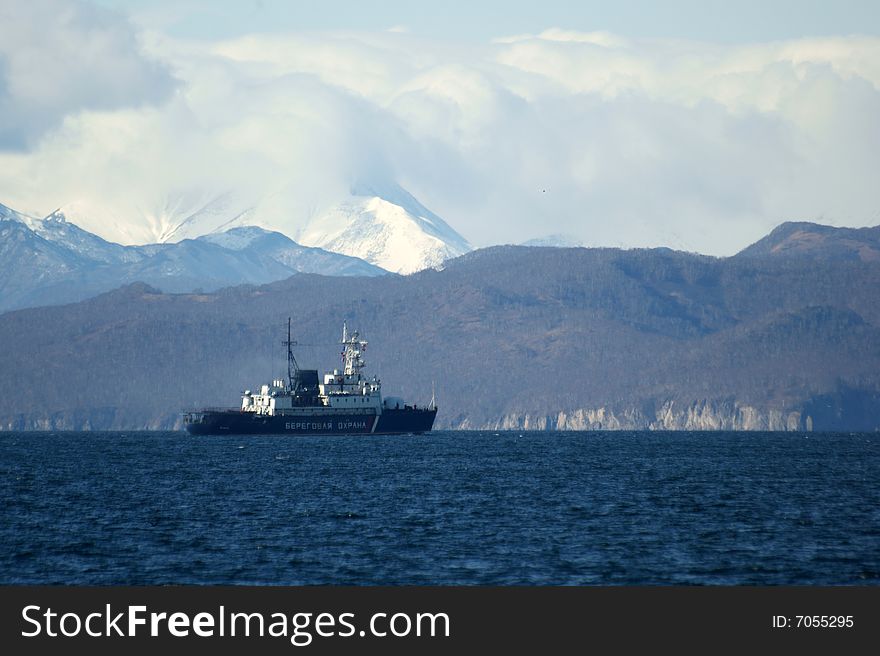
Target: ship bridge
[[346, 389], [349, 388]]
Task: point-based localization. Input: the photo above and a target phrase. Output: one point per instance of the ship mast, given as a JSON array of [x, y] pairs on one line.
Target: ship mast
[[292, 366], [353, 347]]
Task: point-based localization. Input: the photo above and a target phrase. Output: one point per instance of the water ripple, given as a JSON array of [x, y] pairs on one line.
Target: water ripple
[[446, 508]]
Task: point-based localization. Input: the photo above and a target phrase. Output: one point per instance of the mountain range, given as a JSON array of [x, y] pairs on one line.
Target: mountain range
[[381, 223], [785, 335], [51, 260]]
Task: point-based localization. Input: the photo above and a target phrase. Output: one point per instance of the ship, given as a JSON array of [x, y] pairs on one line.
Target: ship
[[347, 402]]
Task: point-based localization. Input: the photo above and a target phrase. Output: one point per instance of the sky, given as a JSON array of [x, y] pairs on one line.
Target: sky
[[721, 21], [693, 125]]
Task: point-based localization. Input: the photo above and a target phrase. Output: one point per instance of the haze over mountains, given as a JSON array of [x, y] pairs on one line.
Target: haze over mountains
[[51, 260], [79, 251], [785, 335], [380, 223]]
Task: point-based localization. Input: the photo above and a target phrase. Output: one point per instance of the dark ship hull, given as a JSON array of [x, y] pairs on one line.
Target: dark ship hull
[[236, 422]]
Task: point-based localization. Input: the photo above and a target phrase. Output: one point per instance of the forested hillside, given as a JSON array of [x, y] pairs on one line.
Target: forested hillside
[[513, 337]]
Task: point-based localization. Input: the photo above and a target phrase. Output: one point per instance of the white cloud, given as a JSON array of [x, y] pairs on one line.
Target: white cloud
[[615, 141], [58, 58]]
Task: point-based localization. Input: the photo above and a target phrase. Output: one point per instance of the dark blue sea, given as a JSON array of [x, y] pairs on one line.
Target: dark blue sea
[[445, 508]]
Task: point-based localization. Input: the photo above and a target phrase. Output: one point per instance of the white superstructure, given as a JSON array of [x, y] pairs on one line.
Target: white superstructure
[[346, 390]]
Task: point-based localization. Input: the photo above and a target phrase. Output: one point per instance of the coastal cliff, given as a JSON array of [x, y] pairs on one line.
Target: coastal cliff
[[698, 416]]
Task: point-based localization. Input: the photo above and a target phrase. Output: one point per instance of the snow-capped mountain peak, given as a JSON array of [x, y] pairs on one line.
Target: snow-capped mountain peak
[[380, 223], [210, 215], [172, 218], [51, 260], [236, 239], [57, 229], [9, 214], [58, 216], [387, 227]]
